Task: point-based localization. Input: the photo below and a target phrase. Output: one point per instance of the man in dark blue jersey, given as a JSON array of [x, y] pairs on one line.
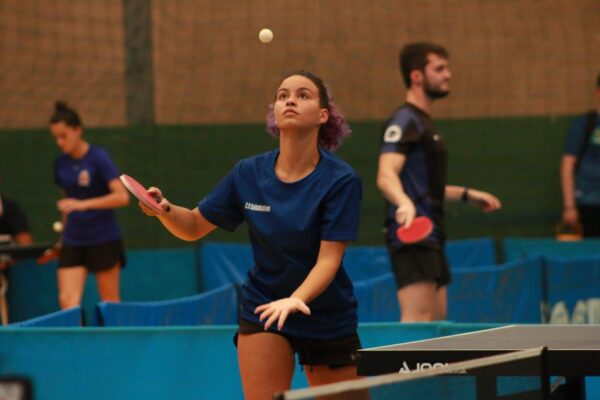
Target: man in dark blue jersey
[[580, 171], [412, 177]]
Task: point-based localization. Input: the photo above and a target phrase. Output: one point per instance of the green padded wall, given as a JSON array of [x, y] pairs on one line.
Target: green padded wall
[[515, 158]]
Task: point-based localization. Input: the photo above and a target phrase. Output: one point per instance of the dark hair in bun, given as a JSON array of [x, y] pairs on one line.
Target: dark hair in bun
[[66, 114]]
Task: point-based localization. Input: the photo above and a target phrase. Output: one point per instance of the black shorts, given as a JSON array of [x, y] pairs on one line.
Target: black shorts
[[335, 353], [590, 219], [412, 264], [94, 258]]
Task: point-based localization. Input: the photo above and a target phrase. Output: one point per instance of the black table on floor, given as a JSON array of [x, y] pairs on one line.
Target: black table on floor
[[573, 351]]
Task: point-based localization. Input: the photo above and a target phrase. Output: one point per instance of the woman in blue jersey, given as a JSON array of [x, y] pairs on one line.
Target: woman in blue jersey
[[91, 240], [301, 205]]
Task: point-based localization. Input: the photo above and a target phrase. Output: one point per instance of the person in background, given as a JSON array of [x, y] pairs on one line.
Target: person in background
[[412, 178], [91, 240], [580, 172], [14, 229]]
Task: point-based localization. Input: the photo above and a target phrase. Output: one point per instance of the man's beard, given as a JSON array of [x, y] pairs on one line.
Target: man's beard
[[434, 94]]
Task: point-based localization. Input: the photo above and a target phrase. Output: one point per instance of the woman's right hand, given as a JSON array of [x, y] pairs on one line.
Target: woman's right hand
[[156, 193]]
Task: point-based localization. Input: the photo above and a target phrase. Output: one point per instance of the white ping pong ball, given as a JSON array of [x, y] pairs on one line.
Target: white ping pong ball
[[57, 226], [265, 35]]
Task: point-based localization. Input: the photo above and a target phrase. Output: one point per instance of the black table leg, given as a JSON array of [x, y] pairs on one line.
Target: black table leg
[[575, 387], [486, 387]]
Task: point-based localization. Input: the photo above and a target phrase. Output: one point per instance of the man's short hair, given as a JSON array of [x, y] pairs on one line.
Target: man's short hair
[[414, 56]]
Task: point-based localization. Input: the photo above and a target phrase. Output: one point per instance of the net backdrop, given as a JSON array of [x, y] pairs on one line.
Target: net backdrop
[[200, 61]]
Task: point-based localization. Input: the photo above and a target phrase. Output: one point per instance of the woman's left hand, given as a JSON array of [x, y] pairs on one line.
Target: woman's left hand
[[279, 310], [68, 205], [486, 201]]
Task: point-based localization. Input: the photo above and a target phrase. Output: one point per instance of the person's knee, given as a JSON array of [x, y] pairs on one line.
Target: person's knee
[[440, 314], [418, 311], [109, 290], [69, 299], [108, 283], [112, 297], [417, 315]]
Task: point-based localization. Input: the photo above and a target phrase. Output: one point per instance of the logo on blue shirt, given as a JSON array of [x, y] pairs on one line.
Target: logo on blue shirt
[[257, 207], [392, 134], [83, 179]]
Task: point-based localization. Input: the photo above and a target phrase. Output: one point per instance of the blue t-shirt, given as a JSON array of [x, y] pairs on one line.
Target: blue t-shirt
[[86, 178], [286, 223], [587, 178], [410, 132]]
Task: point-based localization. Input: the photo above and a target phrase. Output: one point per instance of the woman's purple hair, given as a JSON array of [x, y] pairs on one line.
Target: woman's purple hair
[[332, 132]]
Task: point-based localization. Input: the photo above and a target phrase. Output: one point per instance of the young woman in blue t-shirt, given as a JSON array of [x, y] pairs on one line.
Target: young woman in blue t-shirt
[[301, 206], [91, 240]]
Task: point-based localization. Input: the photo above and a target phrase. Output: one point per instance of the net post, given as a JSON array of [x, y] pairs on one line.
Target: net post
[[139, 85]]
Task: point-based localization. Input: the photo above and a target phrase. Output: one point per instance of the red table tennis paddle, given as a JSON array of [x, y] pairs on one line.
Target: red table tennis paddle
[[419, 230], [139, 191], [50, 254]]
